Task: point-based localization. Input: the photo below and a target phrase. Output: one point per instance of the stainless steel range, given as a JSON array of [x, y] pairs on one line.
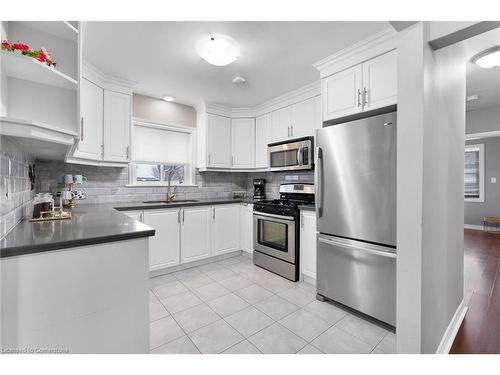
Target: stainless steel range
[[276, 230]]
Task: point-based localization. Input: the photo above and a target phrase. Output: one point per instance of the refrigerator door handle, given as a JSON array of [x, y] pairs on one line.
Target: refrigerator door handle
[[319, 181], [366, 247]]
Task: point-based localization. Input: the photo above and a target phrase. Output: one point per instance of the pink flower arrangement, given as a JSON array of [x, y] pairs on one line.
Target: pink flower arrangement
[[41, 55]]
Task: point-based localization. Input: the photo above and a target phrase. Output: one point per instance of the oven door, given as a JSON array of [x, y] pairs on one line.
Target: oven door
[[290, 156], [274, 235]]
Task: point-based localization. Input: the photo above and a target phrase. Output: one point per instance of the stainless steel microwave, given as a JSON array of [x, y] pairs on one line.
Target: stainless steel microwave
[[291, 155]]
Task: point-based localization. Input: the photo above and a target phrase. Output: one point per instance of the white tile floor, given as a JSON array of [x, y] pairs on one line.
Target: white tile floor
[[234, 307]]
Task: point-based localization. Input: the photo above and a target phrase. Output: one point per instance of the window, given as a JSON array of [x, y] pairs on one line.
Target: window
[[474, 173], [160, 153]]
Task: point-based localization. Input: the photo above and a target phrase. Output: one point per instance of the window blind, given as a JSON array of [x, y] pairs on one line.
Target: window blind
[[163, 146], [471, 173]]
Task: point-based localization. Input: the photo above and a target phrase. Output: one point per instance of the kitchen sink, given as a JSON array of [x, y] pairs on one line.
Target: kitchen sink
[[174, 201]]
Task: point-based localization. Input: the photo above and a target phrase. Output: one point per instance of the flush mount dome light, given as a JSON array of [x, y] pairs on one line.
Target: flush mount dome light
[[168, 98], [218, 50], [488, 59]]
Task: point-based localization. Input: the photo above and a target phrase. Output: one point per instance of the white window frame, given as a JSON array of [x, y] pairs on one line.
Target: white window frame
[[188, 178], [472, 147]]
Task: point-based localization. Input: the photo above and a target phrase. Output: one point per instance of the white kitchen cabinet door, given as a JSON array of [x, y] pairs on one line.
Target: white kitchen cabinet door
[[246, 228], [219, 141], [137, 215], [164, 247], [304, 118], [380, 80], [308, 243], [243, 143], [117, 120], [195, 233], [342, 93], [281, 124], [263, 131], [91, 112], [225, 228]]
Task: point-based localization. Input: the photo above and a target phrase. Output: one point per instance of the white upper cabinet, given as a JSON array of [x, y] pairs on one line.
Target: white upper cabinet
[[342, 93], [262, 138], [303, 118], [380, 79], [117, 117], [363, 87], [164, 246], [226, 228], [195, 237], [243, 143], [91, 122], [219, 141], [281, 124]]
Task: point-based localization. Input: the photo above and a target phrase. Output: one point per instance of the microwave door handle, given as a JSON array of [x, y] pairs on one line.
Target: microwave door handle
[[319, 181], [299, 156]]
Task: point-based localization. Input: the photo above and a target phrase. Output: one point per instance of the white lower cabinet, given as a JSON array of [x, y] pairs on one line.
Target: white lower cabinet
[[246, 228], [164, 247], [308, 244], [184, 235], [195, 233], [225, 228]]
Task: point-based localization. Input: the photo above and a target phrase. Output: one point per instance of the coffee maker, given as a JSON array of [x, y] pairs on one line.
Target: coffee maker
[[259, 189]]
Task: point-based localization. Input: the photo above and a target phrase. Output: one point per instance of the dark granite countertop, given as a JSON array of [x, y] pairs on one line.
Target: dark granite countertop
[[90, 224]]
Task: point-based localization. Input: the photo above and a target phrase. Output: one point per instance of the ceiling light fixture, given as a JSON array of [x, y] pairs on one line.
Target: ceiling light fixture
[[218, 50], [238, 80], [488, 59], [168, 98]]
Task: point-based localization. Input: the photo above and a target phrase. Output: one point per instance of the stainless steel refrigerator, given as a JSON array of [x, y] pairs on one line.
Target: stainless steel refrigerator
[[356, 215]]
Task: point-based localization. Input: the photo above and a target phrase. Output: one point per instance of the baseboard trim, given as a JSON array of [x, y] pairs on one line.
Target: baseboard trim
[[452, 329], [473, 227]]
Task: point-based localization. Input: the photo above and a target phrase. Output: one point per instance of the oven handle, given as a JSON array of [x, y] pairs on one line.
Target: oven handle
[[282, 217], [319, 181]]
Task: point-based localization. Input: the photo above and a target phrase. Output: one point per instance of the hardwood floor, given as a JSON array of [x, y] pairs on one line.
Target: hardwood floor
[[480, 330]]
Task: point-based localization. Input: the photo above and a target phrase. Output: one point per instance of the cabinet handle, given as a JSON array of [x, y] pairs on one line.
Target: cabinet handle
[[291, 130], [183, 216], [232, 160], [359, 98], [209, 158], [365, 97], [179, 216], [128, 152], [102, 150], [81, 129], [288, 132], [213, 213]]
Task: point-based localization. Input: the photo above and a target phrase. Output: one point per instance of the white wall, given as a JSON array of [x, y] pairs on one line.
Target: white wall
[[483, 120], [431, 127], [157, 110]]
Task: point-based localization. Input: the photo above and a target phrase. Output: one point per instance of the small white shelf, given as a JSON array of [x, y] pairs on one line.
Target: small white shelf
[[27, 68], [38, 139], [60, 29]]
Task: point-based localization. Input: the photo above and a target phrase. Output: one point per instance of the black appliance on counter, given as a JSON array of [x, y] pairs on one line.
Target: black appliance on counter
[[259, 189], [277, 231]]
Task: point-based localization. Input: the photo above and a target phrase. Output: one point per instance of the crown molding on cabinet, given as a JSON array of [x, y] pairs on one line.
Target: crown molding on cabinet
[[292, 97], [366, 49], [105, 81]]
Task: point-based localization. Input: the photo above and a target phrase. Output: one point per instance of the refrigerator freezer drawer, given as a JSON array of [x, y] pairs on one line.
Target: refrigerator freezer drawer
[[359, 275]]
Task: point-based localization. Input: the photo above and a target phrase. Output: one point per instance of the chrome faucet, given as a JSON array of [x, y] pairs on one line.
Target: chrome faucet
[[171, 192]]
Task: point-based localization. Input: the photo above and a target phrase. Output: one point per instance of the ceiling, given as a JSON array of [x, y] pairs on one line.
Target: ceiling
[[482, 82], [275, 57]]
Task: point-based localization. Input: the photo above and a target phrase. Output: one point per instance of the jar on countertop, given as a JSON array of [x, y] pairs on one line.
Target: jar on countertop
[[42, 202]]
